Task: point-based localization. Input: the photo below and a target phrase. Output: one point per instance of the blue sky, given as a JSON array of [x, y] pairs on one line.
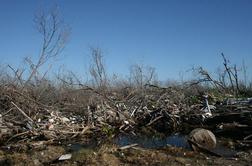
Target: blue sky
[[171, 36]]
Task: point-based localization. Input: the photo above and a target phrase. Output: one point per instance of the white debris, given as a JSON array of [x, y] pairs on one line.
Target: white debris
[[29, 125], [51, 120], [133, 112], [1, 120], [126, 122], [65, 157], [73, 118], [64, 120], [212, 107], [207, 115], [207, 109], [50, 126]]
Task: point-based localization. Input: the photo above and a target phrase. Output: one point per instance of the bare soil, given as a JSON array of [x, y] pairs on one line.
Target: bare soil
[[108, 154]]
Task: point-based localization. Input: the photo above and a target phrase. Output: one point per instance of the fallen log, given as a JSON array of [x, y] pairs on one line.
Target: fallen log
[[243, 117]]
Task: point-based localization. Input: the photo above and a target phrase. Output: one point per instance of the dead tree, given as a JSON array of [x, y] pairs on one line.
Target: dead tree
[[228, 70], [97, 69], [142, 75], [54, 37], [232, 75], [206, 77], [229, 73]]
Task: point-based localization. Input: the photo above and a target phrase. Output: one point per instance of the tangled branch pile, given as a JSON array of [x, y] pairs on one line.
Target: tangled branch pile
[[64, 114]]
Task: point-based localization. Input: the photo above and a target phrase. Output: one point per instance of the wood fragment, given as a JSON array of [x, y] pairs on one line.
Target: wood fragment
[[17, 135], [153, 121], [82, 132], [128, 146], [247, 137], [22, 112]]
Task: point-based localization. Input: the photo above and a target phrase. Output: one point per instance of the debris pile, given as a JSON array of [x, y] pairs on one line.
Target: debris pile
[[88, 113]]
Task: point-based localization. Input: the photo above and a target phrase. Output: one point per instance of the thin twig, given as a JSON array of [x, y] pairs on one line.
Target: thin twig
[[17, 135]]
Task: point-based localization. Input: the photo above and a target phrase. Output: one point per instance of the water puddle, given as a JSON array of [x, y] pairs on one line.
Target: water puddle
[[176, 140], [151, 142]]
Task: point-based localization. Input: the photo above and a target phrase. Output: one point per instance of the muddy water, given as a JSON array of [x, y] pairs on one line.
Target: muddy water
[[144, 141], [152, 142], [175, 140]]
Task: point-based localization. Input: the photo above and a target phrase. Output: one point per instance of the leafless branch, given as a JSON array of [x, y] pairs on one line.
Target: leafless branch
[[97, 68], [54, 34]]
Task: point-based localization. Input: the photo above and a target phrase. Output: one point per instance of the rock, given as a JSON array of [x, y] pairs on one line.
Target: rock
[[203, 137]]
